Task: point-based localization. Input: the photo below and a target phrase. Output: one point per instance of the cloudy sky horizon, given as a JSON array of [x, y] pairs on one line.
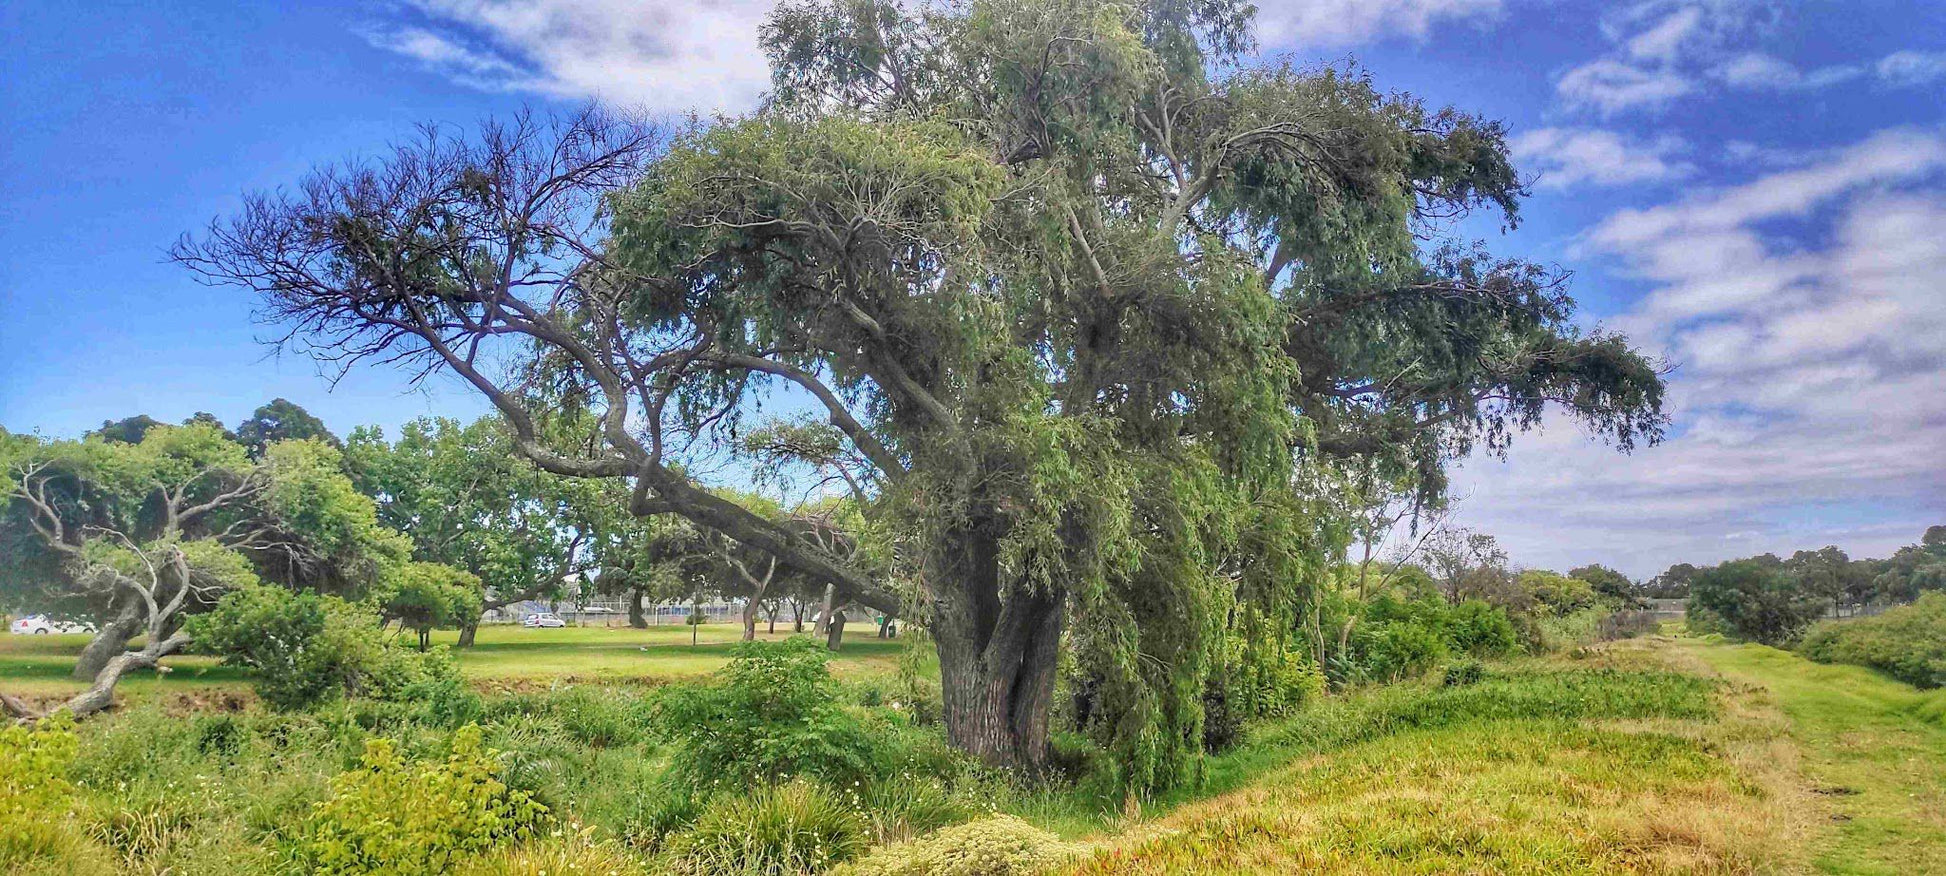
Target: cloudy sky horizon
[[1754, 191]]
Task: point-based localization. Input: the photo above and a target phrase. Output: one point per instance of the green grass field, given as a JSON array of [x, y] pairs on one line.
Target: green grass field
[[501, 655], [1874, 748], [1619, 766]]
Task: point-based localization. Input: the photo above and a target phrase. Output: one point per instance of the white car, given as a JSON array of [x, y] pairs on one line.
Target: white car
[[40, 625], [542, 620]]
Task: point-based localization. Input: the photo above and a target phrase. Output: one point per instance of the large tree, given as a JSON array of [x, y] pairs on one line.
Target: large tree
[[1086, 288]]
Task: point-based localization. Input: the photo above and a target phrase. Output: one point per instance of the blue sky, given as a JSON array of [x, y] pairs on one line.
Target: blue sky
[[1755, 190]]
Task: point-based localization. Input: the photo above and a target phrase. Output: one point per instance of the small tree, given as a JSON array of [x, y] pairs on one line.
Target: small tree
[[422, 596]]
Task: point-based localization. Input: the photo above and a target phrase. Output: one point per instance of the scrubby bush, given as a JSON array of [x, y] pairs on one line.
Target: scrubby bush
[[999, 846], [1907, 643], [1461, 673], [793, 829], [301, 648], [391, 817], [1399, 650], [1256, 681], [901, 807], [772, 712], [1476, 628], [1753, 599]]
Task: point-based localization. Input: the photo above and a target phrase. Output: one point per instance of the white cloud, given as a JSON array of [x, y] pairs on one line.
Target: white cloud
[[1611, 86], [1315, 23], [1810, 398], [1563, 157], [1911, 68], [1756, 70], [674, 55], [1662, 41]]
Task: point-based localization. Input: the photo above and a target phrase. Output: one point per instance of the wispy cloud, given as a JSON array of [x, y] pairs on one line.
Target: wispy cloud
[[1563, 157], [1911, 68], [669, 56], [1812, 372], [1335, 23]]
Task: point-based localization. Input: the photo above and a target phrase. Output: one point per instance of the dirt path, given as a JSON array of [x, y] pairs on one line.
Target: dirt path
[[1875, 747]]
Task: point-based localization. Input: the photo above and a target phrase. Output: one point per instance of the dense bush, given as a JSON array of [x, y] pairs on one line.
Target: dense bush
[[1753, 599], [1476, 628], [301, 648], [1907, 643], [1256, 681], [773, 712], [1000, 846], [391, 817], [792, 829]]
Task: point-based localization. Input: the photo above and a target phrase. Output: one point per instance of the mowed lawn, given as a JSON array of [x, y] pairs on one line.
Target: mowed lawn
[[502, 654]]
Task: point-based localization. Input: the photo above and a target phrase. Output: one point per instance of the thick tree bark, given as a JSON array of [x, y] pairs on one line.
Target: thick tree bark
[[999, 656], [636, 617], [111, 640], [467, 632]]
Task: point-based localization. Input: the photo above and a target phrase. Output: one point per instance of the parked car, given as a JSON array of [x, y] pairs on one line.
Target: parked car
[[542, 620], [41, 625]]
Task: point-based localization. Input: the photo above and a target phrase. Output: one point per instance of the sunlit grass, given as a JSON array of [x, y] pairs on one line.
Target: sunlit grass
[[1611, 764]]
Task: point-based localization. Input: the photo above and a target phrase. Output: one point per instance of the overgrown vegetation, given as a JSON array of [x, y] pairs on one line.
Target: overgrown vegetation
[[1907, 643]]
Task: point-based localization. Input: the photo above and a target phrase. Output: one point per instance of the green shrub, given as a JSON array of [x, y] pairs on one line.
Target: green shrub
[[301, 648], [902, 807], [1399, 650], [999, 846], [1907, 643], [772, 712], [1461, 673], [426, 686], [391, 817], [1482, 630], [1256, 681], [777, 830]]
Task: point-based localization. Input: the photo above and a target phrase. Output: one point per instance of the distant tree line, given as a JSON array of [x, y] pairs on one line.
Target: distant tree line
[[1772, 599]]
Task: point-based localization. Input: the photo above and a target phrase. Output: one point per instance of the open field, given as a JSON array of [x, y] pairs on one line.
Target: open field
[[39, 665]]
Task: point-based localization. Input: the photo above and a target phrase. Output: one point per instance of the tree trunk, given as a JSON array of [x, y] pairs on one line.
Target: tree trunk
[[467, 632], [824, 610], [750, 620], [110, 641], [772, 614], [797, 617], [999, 650], [997, 696], [834, 631], [636, 618]]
